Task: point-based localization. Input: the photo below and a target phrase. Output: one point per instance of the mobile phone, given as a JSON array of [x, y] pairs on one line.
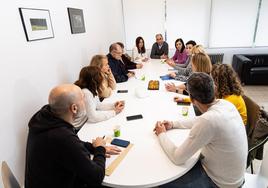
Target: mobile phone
[[120, 143], [183, 103], [122, 91], [139, 116], [166, 77]]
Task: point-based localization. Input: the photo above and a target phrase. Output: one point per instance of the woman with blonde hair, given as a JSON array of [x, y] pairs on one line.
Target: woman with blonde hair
[[182, 73], [228, 87], [200, 62], [109, 82]]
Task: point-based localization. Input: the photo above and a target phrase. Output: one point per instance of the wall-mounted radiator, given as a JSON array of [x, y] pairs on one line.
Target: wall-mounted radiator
[[216, 58]]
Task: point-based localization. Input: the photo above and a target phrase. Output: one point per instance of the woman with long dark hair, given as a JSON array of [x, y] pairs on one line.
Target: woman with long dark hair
[[139, 51], [180, 55], [90, 81]]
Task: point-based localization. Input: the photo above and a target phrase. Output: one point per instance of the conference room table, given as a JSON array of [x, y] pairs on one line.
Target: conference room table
[[146, 164]]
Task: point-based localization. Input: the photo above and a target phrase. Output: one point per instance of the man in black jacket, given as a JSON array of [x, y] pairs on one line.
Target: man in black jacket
[[55, 156], [127, 59], [118, 67]]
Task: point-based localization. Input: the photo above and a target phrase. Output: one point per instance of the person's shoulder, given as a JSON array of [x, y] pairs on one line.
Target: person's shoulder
[[87, 92], [224, 105], [155, 44], [109, 56], [61, 133]]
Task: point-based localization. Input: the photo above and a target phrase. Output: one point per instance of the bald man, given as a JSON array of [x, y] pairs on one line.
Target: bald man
[[118, 67], [55, 156]]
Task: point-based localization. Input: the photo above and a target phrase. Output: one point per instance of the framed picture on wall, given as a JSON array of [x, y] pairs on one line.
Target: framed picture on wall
[[36, 23], [76, 18]]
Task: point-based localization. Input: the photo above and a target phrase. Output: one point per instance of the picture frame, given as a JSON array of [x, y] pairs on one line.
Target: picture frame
[[36, 24], [76, 19]]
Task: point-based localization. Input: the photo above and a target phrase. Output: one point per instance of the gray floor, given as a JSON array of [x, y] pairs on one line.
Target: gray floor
[[260, 95]]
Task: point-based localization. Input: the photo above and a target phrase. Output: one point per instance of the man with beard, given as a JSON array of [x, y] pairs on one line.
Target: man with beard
[[55, 156]]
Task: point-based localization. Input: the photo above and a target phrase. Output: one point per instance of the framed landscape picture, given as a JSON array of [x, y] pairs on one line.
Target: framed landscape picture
[[76, 18], [36, 23]]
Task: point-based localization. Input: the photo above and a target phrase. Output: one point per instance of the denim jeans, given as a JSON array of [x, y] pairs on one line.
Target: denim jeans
[[195, 178]]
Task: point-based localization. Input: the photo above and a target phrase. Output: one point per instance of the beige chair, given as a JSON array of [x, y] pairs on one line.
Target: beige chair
[[9, 180], [259, 180]]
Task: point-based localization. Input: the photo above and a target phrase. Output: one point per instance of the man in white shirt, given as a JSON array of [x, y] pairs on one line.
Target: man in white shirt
[[219, 133]]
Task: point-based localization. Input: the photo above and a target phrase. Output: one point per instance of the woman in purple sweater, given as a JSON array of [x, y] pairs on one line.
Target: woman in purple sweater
[[180, 55]]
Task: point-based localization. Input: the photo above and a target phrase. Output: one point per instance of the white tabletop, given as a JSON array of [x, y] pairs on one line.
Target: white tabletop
[[146, 164]]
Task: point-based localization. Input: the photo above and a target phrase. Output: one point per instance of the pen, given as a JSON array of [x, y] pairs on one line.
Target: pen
[[103, 137]]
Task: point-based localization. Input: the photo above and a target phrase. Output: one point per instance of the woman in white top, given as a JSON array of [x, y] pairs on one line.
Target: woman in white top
[[139, 51], [90, 81]]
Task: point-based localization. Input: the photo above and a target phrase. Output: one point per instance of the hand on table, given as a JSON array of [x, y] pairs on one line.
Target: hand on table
[[170, 62], [112, 150], [98, 142], [119, 106], [145, 59], [168, 124], [163, 56], [170, 87], [159, 128], [172, 74], [139, 65], [130, 74]]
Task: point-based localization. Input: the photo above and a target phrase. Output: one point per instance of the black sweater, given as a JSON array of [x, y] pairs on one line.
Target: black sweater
[[56, 157]]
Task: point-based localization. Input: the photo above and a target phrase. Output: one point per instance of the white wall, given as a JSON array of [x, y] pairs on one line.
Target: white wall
[[30, 69]]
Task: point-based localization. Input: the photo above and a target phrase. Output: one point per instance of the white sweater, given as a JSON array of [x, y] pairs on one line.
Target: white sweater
[[96, 111], [138, 57], [221, 136]]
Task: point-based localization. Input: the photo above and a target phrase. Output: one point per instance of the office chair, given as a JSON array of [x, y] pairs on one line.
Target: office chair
[[254, 149], [9, 180]]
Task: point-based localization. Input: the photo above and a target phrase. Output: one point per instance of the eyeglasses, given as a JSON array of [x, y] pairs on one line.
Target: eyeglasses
[[159, 39]]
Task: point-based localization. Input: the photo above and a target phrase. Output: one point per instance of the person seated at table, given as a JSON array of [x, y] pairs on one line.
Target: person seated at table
[[228, 87], [200, 63], [219, 134], [180, 55], [127, 59], [139, 51], [159, 48], [181, 68], [109, 82], [181, 73], [118, 67], [90, 81], [55, 156]]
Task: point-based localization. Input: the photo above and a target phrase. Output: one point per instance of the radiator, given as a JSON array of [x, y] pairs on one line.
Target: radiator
[[216, 58]]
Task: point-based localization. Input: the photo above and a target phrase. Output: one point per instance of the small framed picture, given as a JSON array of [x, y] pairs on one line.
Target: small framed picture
[[76, 18], [36, 23]]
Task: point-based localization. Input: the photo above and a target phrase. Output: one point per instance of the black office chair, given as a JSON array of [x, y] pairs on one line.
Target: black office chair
[[253, 150]]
